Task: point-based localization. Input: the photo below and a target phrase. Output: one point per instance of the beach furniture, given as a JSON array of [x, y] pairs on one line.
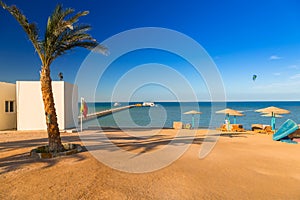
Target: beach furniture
[[237, 128], [177, 125], [272, 111], [256, 127], [262, 128], [296, 140], [230, 112], [287, 128], [232, 128], [295, 134], [222, 128], [268, 130], [187, 126], [193, 112]]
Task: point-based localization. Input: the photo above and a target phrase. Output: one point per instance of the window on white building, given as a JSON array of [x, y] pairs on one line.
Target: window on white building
[[9, 106]]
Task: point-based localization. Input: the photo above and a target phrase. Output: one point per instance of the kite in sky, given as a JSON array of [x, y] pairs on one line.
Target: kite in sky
[[254, 77]]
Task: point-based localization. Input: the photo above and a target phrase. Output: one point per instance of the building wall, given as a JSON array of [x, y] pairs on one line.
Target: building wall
[[71, 104], [30, 112], [8, 120], [59, 100]]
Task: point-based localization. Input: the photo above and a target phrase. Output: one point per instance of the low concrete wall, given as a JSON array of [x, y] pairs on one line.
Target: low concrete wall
[[8, 120]]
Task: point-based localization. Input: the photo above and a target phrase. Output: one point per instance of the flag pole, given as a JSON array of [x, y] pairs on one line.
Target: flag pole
[[81, 111], [81, 123]]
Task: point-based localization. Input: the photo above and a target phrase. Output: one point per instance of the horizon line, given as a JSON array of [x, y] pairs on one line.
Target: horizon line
[[204, 101]]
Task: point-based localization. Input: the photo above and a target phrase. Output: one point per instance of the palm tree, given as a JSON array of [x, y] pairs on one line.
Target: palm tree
[[62, 34]]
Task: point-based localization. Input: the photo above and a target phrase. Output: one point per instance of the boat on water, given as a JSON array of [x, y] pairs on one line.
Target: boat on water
[[117, 104], [151, 104]]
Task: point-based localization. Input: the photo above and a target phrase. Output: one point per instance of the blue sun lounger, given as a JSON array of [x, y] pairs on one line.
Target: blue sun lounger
[[288, 127]]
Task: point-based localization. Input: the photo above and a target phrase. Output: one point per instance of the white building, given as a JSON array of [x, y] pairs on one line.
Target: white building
[[8, 116], [30, 107]]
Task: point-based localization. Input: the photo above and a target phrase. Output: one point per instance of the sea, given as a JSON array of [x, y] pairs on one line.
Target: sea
[[163, 114]]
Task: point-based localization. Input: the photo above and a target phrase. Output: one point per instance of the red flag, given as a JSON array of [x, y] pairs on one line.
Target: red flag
[[83, 108]]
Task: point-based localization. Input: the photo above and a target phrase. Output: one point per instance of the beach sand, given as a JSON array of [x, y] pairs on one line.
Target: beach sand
[[241, 166]]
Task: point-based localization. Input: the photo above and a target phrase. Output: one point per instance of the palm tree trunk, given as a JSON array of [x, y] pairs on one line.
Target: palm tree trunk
[[55, 144]]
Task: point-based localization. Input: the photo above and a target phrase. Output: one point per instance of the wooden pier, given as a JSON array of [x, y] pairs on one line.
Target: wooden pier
[[104, 112]]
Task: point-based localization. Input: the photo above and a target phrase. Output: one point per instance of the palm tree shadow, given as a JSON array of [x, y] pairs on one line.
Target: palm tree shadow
[[143, 145], [22, 159], [234, 134]]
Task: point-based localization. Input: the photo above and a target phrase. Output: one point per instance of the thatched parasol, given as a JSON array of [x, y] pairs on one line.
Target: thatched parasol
[[273, 111], [193, 112], [231, 112], [270, 115]]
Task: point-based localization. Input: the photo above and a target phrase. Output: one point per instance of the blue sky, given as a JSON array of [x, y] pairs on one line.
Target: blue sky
[[242, 37]]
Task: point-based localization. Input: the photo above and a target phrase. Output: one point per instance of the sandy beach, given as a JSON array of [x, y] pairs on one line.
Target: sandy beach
[[241, 166]]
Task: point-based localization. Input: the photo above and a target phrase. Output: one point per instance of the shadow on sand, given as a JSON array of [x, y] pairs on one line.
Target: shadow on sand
[[112, 137], [116, 137], [14, 161]]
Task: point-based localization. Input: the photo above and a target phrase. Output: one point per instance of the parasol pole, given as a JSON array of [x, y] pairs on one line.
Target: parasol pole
[[193, 121], [228, 124], [273, 121], [234, 119]]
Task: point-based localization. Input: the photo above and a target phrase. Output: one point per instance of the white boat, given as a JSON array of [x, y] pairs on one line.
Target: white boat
[[151, 104], [117, 104]]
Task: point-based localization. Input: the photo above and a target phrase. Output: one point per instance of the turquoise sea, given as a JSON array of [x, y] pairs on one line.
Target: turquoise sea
[[165, 113]]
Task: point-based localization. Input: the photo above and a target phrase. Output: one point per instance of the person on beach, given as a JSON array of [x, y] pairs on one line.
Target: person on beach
[[227, 122]]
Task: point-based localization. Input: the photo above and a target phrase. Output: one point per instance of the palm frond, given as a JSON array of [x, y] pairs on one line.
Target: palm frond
[[75, 18], [80, 40], [64, 34], [57, 23], [30, 28]]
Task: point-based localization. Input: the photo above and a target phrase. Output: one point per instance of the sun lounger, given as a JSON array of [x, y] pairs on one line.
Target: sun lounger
[[268, 130], [237, 128], [285, 131], [232, 128], [256, 127], [295, 134], [223, 128], [296, 140], [262, 128], [177, 125], [187, 126]]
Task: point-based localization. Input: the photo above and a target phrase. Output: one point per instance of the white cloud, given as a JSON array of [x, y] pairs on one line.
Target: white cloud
[[296, 76], [293, 67], [291, 85], [275, 57], [277, 74]]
